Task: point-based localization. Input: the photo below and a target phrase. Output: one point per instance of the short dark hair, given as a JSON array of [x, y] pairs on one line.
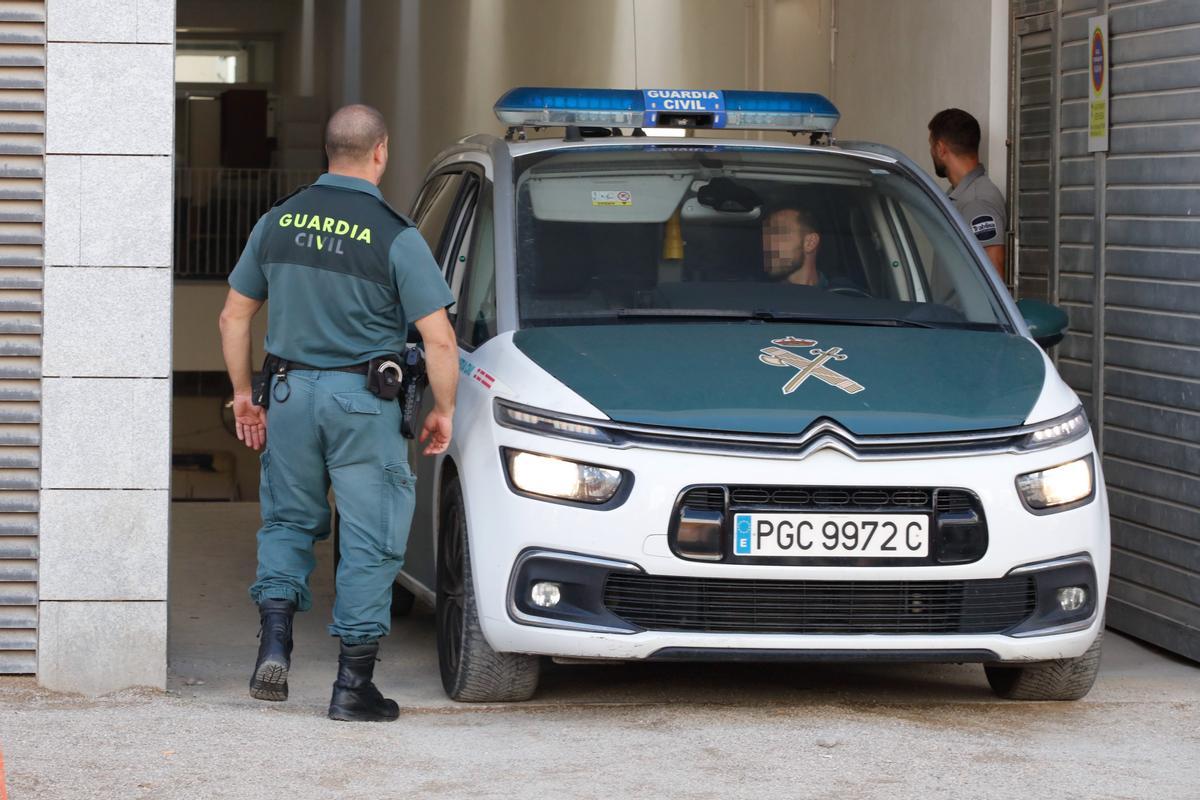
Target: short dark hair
[[957, 129], [806, 217], [353, 132]]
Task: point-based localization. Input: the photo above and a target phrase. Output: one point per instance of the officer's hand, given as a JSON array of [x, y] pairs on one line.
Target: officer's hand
[[437, 430], [250, 421]]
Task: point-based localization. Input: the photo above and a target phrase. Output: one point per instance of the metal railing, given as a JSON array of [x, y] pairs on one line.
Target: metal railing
[[215, 210]]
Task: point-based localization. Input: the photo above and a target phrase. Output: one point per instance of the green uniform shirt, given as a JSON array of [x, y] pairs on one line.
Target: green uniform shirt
[[344, 272]]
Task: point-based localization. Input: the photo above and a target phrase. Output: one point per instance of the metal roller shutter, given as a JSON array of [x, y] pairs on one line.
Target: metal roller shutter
[[1031, 159], [1151, 379], [1133, 349], [22, 128]]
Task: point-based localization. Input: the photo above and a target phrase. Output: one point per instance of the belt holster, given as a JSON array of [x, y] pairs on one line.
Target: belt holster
[[415, 380], [260, 382], [384, 377]]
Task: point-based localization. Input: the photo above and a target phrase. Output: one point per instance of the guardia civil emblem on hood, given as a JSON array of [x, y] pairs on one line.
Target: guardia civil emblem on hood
[[809, 367]]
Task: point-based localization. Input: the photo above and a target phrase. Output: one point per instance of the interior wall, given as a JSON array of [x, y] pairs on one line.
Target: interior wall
[[471, 51], [897, 64]]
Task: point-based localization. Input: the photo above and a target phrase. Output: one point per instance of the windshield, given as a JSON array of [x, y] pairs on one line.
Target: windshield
[[675, 233]]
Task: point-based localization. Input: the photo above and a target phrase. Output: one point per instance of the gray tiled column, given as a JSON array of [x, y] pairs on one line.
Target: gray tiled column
[[106, 395]]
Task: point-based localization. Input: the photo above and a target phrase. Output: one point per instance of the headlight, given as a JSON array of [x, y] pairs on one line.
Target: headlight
[[1059, 430], [558, 477], [1049, 489], [529, 420]]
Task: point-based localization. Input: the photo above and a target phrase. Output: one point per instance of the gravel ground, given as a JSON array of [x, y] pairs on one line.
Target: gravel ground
[[669, 730]]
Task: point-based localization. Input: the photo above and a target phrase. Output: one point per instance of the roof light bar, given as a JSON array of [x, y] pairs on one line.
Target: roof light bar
[[667, 108]]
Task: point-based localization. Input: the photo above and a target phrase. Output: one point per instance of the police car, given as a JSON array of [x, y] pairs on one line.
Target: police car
[[668, 449]]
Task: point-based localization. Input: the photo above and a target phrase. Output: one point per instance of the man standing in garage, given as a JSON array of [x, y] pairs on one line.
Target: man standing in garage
[[345, 275], [954, 147]]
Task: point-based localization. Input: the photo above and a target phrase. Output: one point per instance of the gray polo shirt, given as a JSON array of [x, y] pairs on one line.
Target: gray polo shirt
[[982, 206]]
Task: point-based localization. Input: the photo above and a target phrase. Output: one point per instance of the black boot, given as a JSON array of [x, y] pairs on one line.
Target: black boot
[[355, 698], [269, 681]]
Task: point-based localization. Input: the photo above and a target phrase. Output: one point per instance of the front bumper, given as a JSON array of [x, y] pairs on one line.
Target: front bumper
[[510, 535], [607, 597]]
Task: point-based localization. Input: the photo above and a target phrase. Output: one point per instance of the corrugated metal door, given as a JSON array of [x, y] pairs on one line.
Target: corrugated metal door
[[1140, 204], [1031, 156], [1151, 325], [22, 126]]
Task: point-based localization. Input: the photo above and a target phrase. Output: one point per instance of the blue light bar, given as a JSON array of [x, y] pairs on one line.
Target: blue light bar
[[651, 108]]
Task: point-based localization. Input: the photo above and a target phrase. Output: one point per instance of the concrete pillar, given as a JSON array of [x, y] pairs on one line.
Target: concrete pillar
[[352, 53], [307, 48], [106, 391]]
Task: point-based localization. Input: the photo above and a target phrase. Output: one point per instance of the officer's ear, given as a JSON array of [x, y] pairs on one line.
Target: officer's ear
[[381, 152]]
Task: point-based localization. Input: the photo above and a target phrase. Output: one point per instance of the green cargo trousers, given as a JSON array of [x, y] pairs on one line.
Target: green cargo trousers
[[331, 429]]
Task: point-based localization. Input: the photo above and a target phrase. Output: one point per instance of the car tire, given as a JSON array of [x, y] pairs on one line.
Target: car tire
[[472, 672], [1061, 679]]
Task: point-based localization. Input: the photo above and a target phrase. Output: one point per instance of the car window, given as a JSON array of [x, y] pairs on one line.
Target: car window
[[434, 208], [458, 241], [476, 318], [659, 232]]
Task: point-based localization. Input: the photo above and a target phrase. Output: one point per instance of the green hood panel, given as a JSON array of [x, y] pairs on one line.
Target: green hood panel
[[710, 376]]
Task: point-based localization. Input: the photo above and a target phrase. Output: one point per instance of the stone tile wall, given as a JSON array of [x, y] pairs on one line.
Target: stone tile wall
[[106, 396]]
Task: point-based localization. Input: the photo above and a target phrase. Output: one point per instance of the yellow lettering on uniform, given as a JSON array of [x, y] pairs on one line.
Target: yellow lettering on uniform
[[320, 243], [285, 220], [299, 220], [354, 230], [364, 235], [342, 227], [328, 227], [315, 223]]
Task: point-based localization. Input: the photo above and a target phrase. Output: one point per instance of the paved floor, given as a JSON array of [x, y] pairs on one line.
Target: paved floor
[[606, 731]]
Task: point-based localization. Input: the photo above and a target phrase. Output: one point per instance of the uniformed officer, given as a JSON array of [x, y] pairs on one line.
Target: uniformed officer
[[954, 147], [345, 275]]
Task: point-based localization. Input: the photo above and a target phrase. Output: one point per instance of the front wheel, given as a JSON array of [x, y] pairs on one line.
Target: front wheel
[[1061, 679], [472, 672]]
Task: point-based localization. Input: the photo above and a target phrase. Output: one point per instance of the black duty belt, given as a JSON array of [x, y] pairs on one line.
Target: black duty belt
[[357, 369], [384, 377]]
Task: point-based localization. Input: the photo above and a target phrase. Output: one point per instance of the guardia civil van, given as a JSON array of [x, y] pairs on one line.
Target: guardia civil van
[[663, 451]]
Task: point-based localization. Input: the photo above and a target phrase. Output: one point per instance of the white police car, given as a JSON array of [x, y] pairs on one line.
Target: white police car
[[667, 447]]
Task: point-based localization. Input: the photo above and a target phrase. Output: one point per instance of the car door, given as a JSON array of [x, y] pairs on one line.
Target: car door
[[445, 214]]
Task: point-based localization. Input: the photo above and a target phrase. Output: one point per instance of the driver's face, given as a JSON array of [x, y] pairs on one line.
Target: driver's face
[[783, 243]]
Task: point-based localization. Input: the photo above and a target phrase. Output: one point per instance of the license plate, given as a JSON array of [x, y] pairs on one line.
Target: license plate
[[831, 535]]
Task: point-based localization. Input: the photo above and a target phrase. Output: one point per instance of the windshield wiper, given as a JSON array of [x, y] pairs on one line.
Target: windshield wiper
[[759, 316], [676, 313], [891, 322], [767, 316]]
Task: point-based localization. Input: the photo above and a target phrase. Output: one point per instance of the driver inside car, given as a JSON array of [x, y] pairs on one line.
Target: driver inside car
[[790, 245]]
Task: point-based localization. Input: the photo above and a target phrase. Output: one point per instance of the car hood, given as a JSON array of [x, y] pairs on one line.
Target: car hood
[[780, 379]]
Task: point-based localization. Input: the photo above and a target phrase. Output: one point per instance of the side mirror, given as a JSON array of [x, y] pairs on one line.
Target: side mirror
[[1048, 323]]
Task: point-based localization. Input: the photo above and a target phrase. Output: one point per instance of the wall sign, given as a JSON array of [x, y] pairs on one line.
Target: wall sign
[[1097, 84]]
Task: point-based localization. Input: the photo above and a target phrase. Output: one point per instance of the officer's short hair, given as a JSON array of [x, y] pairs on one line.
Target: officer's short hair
[[352, 133], [806, 217], [958, 129]]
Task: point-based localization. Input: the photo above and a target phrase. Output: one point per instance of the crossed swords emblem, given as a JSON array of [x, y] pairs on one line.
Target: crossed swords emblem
[[810, 367]]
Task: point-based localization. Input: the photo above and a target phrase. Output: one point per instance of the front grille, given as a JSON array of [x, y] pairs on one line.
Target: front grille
[[707, 605], [828, 496], [709, 498], [712, 498]]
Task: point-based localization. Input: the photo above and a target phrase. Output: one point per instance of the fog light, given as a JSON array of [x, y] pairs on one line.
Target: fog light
[[1072, 598], [546, 594]]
